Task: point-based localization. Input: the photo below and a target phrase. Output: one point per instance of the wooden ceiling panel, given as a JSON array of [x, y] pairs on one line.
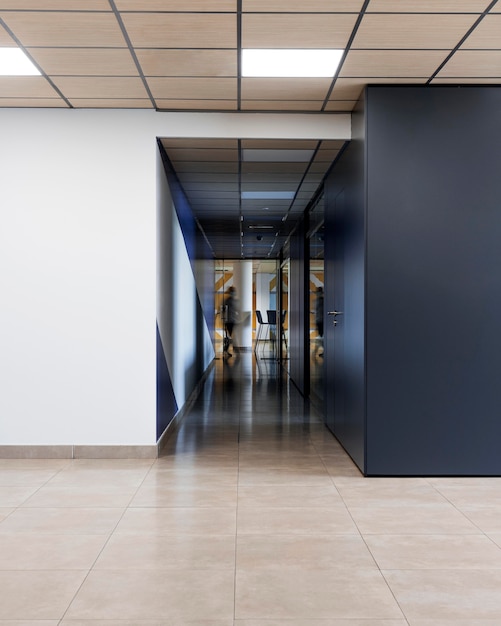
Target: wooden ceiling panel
[[231, 144], [282, 105], [201, 154], [71, 29], [176, 5], [249, 167], [97, 87], [5, 39], [85, 61], [465, 81], [416, 31], [347, 89], [196, 88], [300, 6], [26, 87], [110, 103], [218, 63], [36, 103], [55, 5], [487, 34], [196, 105], [307, 30], [279, 144], [428, 6], [219, 168], [473, 63], [372, 64], [340, 106], [285, 88], [181, 30]]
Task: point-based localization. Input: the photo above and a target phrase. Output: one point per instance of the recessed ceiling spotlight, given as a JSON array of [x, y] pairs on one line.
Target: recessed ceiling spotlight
[[290, 63], [14, 62]]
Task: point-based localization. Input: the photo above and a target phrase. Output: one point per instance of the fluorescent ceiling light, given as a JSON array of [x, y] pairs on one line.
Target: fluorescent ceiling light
[[268, 195], [290, 63], [253, 155], [14, 62]]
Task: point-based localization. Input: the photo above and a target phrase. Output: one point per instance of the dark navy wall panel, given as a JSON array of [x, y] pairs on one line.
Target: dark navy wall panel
[[298, 316], [345, 206], [433, 280], [166, 402]]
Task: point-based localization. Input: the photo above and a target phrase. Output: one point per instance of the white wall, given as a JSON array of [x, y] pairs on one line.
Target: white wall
[[77, 265], [77, 277]]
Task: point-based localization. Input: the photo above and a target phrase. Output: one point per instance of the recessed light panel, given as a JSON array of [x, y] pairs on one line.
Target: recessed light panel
[[268, 195], [13, 62], [292, 63]]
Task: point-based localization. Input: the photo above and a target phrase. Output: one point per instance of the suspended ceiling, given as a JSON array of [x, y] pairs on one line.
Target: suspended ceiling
[[184, 55]]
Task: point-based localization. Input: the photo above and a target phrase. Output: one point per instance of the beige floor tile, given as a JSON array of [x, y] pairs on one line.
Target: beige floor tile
[[137, 595], [279, 552], [86, 495], [454, 622], [316, 496], [27, 477], [323, 622], [81, 477], [42, 595], [444, 552], [179, 521], [486, 518], [181, 496], [5, 512], [16, 495], [447, 594], [80, 521], [314, 594], [59, 552], [295, 520], [16, 622], [192, 476], [398, 494], [427, 519], [143, 552], [285, 476], [472, 495], [143, 622]]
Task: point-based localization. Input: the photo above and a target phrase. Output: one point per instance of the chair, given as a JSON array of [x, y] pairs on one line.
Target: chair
[[261, 323], [272, 321]]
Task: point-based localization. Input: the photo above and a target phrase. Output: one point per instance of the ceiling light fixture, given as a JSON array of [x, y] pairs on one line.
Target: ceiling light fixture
[[292, 63], [268, 195], [14, 62]]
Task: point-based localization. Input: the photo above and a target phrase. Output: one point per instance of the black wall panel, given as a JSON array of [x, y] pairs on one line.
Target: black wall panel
[[345, 206], [298, 316], [433, 280]]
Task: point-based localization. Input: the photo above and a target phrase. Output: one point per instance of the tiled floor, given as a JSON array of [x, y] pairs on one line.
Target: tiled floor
[[254, 517]]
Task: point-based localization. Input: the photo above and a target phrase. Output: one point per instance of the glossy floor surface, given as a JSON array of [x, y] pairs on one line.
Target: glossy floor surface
[[253, 517]]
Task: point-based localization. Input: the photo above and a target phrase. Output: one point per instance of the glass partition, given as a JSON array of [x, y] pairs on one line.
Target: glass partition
[[316, 302]]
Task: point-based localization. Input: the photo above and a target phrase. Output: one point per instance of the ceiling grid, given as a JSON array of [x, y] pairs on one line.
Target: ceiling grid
[[185, 55]]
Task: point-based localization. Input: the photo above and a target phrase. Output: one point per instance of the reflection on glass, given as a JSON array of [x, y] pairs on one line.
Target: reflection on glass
[[317, 311]]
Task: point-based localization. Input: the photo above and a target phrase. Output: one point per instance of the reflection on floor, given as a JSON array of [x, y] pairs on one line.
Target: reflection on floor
[[253, 517]]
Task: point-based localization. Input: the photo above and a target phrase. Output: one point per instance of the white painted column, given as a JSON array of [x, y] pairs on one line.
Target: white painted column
[[242, 280]]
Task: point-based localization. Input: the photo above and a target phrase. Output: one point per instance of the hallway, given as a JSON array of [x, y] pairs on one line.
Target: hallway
[[254, 516]]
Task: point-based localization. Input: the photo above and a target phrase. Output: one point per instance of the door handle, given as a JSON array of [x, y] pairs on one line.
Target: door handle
[[334, 312]]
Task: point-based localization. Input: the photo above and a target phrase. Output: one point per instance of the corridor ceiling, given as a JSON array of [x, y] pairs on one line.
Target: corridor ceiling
[[185, 55]]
